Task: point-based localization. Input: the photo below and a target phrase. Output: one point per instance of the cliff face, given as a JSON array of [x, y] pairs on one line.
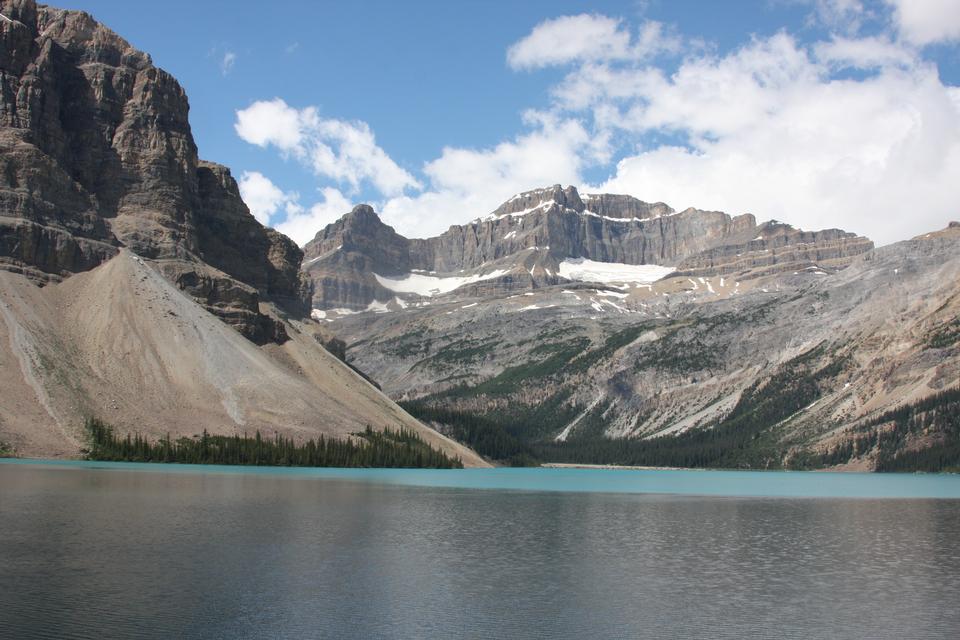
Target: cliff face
[[531, 234], [96, 153], [342, 259]]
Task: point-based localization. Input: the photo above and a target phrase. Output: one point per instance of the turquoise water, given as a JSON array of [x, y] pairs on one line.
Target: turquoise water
[[134, 551], [773, 484]]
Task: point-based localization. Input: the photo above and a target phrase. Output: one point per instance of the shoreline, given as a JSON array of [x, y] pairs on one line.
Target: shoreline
[[617, 467], [840, 469]]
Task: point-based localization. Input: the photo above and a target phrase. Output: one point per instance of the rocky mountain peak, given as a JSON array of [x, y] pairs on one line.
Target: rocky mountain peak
[[567, 199], [564, 198], [360, 216], [527, 240], [96, 153], [354, 229]]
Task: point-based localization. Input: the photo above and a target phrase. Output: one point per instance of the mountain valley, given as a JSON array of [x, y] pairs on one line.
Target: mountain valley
[[137, 288], [579, 350]]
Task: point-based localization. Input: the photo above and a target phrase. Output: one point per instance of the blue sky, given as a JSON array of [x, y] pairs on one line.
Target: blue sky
[[820, 112]]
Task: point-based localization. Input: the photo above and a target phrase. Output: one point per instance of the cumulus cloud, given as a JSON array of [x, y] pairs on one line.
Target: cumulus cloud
[[865, 53], [301, 224], [463, 183], [587, 37], [263, 198], [770, 131], [466, 183], [343, 151], [273, 206], [927, 21], [270, 122]]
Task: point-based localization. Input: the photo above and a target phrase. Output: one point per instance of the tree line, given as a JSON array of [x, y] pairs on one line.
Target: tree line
[[482, 434], [387, 448]]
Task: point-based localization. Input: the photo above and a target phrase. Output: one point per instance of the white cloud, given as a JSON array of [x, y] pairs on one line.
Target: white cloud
[[303, 224], [348, 152], [466, 183], [343, 151], [865, 53], [227, 62], [267, 202], [587, 37], [707, 96], [271, 122], [771, 132], [463, 183], [263, 197], [927, 21]]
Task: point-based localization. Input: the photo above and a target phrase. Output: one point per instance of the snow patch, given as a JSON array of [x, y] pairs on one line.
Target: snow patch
[[615, 294], [531, 307], [429, 286], [330, 314], [519, 214], [324, 255], [587, 212], [591, 271]]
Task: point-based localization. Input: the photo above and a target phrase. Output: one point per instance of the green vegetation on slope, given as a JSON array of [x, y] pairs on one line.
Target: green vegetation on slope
[[459, 352], [484, 435], [550, 359], [558, 357], [921, 436], [743, 439], [380, 449], [944, 336]]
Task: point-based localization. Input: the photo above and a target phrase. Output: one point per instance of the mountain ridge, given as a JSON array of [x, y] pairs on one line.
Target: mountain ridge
[[786, 367], [530, 235]]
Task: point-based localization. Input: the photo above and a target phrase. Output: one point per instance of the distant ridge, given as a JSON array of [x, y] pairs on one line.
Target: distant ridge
[[525, 241]]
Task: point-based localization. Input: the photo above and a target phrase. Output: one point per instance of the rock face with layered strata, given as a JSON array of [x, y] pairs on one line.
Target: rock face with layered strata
[[96, 154], [528, 237], [105, 205]]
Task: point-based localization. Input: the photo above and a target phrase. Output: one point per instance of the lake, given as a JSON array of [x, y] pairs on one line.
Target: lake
[[94, 550]]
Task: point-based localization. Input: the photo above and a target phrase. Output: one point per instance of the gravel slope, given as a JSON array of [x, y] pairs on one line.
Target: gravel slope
[[122, 343]]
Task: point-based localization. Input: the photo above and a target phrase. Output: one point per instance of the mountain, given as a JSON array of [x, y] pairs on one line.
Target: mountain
[[541, 237], [98, 154], [605, 329], [135, 286]]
